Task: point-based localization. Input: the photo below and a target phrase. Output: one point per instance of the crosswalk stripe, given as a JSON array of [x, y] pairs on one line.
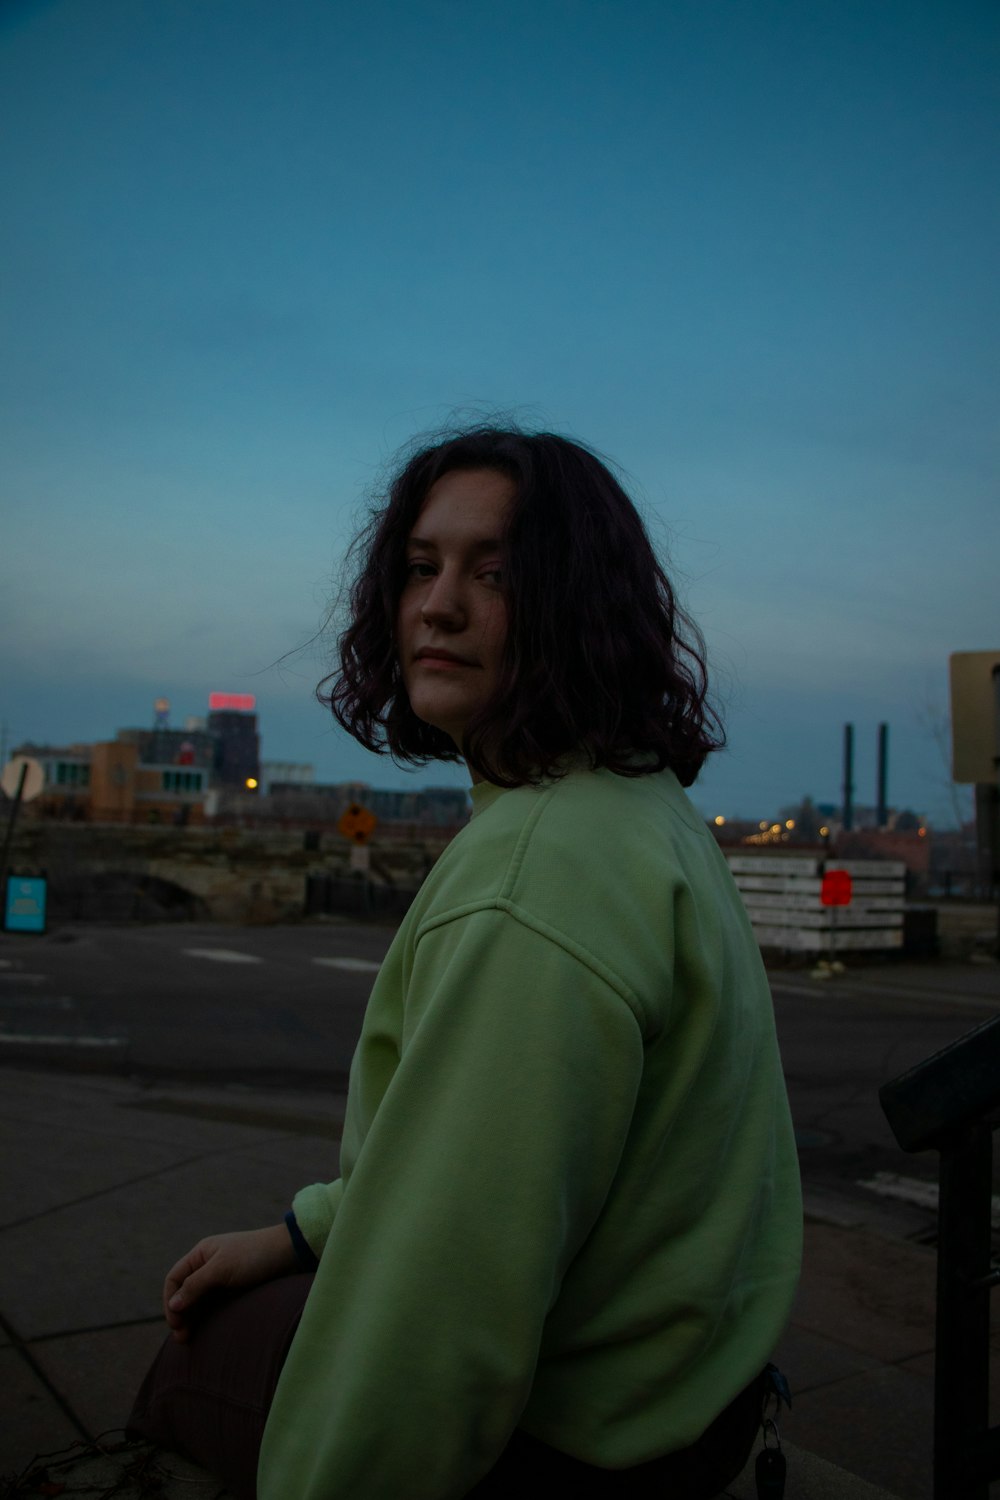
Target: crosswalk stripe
[[61, 1041], [222, 955], [37, 1002], [356, 965]]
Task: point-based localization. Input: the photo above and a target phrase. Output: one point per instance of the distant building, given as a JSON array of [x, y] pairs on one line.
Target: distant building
[[445, 805], [287, 773], [167, 747], [236, 754], [125, 789], [65, 768], [225, 745], [110, 782], [913, 847], [324, 802], [212, 768], [66, 789]]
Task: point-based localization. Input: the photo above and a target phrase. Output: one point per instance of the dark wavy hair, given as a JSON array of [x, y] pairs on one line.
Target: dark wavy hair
[[599, 656]]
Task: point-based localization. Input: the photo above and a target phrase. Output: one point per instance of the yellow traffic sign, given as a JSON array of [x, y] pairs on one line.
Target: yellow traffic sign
[[357, 823]]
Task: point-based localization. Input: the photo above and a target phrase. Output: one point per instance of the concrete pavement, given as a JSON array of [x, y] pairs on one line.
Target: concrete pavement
[[106, 1181]]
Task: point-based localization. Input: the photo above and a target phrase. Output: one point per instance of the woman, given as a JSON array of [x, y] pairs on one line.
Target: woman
[[567, 1231]]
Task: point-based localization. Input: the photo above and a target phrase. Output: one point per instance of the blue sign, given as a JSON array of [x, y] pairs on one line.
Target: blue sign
[[25, 910]]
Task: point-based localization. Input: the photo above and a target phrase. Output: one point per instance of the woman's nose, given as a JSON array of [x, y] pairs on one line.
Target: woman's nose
[[442, 604]]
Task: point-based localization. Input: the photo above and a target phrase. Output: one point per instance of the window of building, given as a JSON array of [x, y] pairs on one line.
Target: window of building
[[72, 773], [182, 781]]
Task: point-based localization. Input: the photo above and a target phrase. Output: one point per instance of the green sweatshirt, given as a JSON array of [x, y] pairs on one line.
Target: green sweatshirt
[[569, 1197]]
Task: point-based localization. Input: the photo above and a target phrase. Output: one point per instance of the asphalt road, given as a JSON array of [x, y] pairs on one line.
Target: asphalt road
[[279, 1005], [840, 1041], [283, 1006]]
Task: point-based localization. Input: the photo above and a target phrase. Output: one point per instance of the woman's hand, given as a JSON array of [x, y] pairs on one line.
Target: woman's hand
[[221, 1262]]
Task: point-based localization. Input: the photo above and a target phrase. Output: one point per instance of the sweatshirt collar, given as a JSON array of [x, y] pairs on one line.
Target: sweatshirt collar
[[483, 795]]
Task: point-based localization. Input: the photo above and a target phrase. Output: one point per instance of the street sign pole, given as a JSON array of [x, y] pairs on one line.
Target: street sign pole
[[987, 807], [975, 753], [22, 779], [837, 889], [995, 820], [833, 934], [11, 821], [358, 824]]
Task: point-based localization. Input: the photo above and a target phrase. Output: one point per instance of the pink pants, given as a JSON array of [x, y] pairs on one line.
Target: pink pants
[[209, 1399]]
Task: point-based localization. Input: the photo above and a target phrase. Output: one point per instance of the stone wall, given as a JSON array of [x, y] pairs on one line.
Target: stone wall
[[966, 929], [123, 872]]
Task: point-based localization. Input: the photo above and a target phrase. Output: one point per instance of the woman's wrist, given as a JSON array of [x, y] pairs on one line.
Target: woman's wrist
[[304, 1258]]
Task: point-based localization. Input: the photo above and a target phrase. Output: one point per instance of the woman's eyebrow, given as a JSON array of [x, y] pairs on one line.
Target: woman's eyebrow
[[487, 544]]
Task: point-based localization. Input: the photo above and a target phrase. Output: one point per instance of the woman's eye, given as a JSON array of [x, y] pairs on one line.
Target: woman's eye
[[493, 576], [419, 569]]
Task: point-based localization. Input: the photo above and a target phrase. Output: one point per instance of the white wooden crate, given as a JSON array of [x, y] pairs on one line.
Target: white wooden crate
[[803, 940], [782, 897]]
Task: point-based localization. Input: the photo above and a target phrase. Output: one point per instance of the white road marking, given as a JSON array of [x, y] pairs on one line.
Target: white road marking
[[222, 955], [62, 1041], [37, 1002], [356, 965], [912, 1190]]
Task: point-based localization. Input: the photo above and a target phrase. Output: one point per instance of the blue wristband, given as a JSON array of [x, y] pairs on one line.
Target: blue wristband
[[306, 1259]]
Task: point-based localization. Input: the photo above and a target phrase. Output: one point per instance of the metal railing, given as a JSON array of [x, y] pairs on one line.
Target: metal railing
[[951, 1104]]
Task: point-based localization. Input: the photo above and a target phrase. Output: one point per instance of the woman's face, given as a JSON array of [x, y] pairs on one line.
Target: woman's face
[[452, 620]]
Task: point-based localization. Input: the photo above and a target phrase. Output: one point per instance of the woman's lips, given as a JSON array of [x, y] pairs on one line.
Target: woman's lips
[[442, 661]]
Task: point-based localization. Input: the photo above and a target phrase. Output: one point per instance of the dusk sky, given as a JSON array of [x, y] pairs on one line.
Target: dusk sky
[[748, 249]]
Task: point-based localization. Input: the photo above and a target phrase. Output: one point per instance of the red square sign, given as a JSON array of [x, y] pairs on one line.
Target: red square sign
[[836, 888]]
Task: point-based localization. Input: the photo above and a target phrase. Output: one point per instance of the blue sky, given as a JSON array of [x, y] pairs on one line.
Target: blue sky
[[747, 249]]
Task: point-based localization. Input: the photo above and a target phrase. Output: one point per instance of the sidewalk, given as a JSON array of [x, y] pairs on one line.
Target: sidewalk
[[936, 982], [107, 1181]]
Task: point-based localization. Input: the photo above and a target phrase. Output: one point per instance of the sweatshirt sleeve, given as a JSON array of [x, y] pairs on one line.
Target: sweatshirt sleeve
[[315, 1208], [485, 1167]]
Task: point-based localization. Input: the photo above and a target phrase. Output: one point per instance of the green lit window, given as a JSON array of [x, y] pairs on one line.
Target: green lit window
[[182, 781], [70, 774]]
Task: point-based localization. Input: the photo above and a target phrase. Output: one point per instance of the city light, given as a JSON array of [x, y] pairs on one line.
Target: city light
[[789, 823], [720, 820], [770, 833], [823, 832], [251, 783]]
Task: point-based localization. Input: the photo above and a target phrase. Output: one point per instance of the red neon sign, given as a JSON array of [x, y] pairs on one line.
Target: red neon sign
[[243, 703]]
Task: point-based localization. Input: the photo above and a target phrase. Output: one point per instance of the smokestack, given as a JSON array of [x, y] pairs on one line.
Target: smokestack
[[847, 817], [882, 811]]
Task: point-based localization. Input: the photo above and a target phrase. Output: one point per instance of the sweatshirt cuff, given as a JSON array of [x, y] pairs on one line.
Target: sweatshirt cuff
[[306, 1259]]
